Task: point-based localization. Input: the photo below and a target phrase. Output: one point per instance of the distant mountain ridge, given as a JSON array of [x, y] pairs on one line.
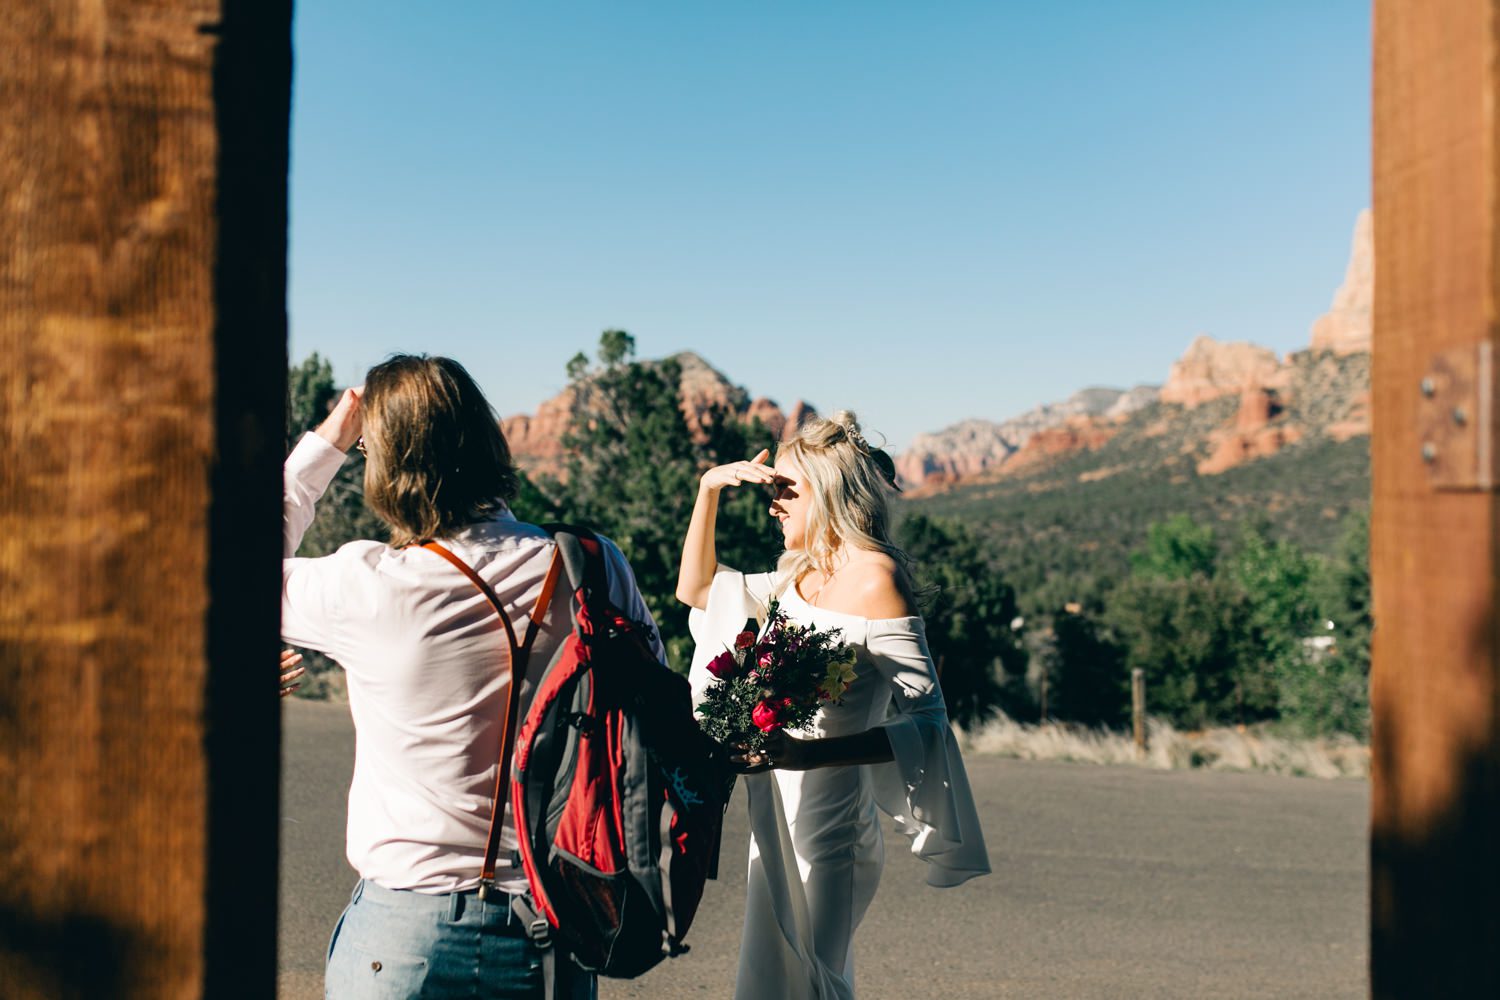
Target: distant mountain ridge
[[1265, 420], [1269, 404], [974, 446]]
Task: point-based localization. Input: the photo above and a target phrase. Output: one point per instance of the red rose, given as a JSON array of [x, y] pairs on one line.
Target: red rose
[[723, 666], [765, 717], [744, 640]]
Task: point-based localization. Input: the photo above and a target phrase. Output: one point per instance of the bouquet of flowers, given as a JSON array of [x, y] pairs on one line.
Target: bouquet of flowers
[[776, 681]]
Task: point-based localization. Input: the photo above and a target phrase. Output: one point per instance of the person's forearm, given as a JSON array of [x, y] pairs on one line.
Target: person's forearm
[[304, 476], [872, 746], [695, 574]]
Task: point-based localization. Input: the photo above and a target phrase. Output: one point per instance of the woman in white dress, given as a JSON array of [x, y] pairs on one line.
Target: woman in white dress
[[816, 848]]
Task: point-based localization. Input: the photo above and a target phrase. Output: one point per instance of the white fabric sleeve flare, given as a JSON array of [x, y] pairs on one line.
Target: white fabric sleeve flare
[[925, 789], [733, 599]]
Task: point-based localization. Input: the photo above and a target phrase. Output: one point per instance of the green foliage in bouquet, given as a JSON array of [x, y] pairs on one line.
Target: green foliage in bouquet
[[777, 681]]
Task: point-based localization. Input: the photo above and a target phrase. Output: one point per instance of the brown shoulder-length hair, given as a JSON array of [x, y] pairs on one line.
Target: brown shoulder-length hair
[[436, 459]]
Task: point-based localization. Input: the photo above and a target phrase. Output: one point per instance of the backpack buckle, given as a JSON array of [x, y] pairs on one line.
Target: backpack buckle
[[586, 724], [537, 927]]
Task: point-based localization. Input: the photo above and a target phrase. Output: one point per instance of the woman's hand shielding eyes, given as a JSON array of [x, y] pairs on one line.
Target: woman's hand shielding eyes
[[739, 473]]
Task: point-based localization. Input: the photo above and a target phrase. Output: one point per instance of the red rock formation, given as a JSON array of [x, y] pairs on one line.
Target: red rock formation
[[770, 414], [1345, 328], [1238, 447], [801, 413], [1210, 369], [1258, 406], [1049, 443], [1253, 433], [536, 439]]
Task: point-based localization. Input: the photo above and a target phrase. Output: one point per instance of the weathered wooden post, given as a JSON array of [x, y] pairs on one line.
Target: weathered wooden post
[[1138, 709], [1435, 838], [142, 326]]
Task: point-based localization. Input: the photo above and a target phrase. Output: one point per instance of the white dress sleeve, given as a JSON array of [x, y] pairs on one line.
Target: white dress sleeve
[[733, 598], [925, 788]]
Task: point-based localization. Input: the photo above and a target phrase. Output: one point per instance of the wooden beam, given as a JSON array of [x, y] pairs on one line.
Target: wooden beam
[[142, 327], [1435, 838]]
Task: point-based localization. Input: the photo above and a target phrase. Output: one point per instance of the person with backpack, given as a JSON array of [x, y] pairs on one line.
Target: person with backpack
[[816, 849], [430, 629]]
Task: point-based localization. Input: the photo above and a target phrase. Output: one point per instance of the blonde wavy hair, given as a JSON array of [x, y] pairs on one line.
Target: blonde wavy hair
[[849, 483]]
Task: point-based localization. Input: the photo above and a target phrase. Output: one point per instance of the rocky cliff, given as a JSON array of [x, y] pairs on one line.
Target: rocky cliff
[[972, 447], [1261, 404], [1345, 328], [1280, 402], [536, 438], [1210, 369]]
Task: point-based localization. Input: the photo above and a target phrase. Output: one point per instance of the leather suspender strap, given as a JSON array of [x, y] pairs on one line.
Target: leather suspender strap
[[520, 653]]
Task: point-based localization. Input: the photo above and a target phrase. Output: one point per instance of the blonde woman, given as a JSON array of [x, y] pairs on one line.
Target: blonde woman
[[816, 850]]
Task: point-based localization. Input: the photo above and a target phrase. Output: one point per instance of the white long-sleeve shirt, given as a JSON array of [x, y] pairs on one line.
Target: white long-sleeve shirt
[[429, 674]]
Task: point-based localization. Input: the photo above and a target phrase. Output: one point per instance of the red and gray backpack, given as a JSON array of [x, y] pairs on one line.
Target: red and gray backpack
[[618, 796]]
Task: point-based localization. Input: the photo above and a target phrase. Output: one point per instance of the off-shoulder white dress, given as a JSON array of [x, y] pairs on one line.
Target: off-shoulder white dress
[[816, 848]]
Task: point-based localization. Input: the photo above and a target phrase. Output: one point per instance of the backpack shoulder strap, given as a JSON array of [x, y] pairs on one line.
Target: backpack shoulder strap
[[582, 555]]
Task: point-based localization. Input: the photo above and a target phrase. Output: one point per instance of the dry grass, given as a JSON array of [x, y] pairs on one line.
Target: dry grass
[[1214, 749]]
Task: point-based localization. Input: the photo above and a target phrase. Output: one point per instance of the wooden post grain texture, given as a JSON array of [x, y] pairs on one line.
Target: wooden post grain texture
[[143, 154], [1435, 838]]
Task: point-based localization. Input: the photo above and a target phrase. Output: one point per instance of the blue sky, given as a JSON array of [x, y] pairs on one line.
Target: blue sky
[[921, 212]]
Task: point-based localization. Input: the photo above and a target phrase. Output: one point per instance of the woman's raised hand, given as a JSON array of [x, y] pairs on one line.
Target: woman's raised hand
[[346, 422], [738, 473]]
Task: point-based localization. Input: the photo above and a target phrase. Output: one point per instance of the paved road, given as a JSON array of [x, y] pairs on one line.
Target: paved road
[[1110, 883]]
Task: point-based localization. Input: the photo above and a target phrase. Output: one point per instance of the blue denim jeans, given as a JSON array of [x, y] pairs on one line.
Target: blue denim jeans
[[392, 943]]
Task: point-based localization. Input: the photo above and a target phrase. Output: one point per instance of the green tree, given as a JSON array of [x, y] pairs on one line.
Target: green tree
[[632, 469], [1332, 693], [310, 395], [1176, 549], [1277, 579], [968, 610], [1089, 680], [1187, 635]]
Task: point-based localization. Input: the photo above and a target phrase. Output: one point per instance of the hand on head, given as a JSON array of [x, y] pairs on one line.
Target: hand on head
[[346, 422]]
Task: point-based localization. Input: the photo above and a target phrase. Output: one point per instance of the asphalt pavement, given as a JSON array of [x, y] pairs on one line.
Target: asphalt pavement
[[1110, 883]]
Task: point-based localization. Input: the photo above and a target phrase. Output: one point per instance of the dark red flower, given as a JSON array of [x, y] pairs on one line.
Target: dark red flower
[[723, 666], [744, 640]]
